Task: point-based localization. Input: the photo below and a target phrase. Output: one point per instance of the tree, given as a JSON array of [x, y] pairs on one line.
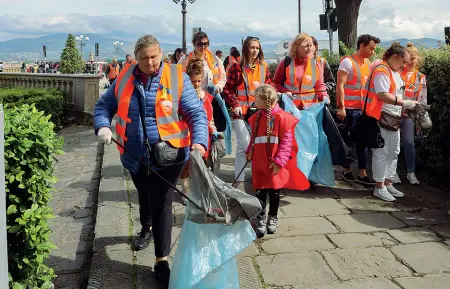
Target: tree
[[347, 13], [71, 61]]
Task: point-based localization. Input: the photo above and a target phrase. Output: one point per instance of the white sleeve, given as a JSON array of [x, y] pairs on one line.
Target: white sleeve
[[382, 83], [346, 65]]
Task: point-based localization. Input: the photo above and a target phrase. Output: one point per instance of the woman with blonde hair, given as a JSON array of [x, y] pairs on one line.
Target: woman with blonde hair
[[299, 75], [415, 89], [242, 79]]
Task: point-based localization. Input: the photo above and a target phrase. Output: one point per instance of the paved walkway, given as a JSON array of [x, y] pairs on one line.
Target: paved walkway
[[328, 238], [75, 206]]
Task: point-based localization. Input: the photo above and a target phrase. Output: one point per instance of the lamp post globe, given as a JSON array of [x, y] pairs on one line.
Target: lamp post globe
[[184, 11]]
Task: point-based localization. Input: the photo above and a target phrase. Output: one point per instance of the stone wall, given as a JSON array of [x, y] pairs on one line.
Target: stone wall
[[82, 89]]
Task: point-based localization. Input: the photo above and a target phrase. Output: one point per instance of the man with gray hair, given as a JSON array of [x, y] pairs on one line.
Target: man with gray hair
[[156, 108]]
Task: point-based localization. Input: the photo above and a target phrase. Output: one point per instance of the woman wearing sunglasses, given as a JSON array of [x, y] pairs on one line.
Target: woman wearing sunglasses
[[243, 78], [214, 76], [298, 75]]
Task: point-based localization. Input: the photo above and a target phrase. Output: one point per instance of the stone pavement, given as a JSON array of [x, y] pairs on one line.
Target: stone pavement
[[75, 206], [328, 238]]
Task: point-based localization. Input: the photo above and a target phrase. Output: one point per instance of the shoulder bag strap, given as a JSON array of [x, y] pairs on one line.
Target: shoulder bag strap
[[142, 117]]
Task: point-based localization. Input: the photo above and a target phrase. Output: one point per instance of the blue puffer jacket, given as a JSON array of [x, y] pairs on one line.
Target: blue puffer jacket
[[191, 109]]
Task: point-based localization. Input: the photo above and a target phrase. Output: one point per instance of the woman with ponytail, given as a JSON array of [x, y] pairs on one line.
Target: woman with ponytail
[[273, 153], [195, 70], [384, 102], [415, 89]]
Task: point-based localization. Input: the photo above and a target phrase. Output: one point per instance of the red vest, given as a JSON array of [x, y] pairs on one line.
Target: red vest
[[265, 150]]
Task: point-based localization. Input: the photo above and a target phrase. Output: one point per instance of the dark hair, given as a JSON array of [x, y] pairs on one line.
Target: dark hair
[[174, 55], [218, 51], [365, 39], [233, 49], [235, 53], [316, 44], [195, 66], [127, 55], [245, 60], [395, 49], [198, 37]]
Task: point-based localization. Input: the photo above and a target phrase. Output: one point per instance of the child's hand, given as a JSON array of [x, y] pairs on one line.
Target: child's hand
[[275, 168], [249, 156]]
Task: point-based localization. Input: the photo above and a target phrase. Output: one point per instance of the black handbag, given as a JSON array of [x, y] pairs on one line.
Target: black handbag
[[367, 130], [162, 153]]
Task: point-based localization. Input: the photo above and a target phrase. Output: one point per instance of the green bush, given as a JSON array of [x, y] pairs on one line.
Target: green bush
[[50, 101], [30, 147], [433, 153]]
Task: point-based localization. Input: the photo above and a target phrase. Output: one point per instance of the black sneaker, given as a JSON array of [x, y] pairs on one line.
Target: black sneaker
[[348, 176], [162, 273], [366, 181], [143, 240]]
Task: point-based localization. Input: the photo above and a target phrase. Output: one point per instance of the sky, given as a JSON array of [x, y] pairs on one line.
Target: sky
[[224, 21]]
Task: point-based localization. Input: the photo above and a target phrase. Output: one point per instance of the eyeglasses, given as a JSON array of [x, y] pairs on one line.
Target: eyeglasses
[[252, 37], [203, 44]]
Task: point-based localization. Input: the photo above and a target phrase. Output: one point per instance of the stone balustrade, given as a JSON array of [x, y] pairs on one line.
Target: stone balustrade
[[82, 89], [12, 69]]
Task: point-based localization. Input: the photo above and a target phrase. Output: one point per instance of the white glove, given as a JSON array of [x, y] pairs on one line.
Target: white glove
[[104, 135], [409, 104], [238, 111]]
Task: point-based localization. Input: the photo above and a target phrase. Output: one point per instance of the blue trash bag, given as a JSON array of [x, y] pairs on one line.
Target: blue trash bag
[[313, 157], [227, 132], [206, 255]]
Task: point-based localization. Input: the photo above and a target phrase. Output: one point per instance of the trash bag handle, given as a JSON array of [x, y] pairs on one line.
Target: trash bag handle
[[162, 178]]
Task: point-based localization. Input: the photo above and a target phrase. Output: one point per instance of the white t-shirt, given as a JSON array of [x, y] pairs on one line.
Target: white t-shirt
[[382, 83], [347, 66]]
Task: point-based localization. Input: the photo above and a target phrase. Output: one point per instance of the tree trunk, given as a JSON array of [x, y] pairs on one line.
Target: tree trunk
[[347, 14]]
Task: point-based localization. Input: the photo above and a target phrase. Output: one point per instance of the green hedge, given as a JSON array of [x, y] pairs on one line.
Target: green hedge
[[30, 147], [51, 101]]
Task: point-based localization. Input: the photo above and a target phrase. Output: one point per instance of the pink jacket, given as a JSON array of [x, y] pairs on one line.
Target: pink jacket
[[285, 145]]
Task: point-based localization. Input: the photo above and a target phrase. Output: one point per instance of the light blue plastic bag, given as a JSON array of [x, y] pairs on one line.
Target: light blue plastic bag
[[206, 255], [314, 156]]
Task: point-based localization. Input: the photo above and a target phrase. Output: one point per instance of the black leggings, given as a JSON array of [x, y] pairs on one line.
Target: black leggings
[[155, 204], [274, 201]]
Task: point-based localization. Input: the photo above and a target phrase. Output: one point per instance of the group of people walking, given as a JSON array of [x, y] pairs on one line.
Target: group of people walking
[[159, 106]]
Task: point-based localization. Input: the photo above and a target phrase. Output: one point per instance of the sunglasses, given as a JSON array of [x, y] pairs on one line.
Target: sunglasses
[[203, 44], [252, 37]]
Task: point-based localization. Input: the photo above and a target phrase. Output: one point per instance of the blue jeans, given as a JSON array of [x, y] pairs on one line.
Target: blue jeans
[[351, 119], [408, 133]]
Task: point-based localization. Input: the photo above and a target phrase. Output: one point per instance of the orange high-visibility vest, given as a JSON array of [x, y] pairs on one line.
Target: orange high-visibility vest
[[355, 87], [133, 62], [113, 71], [413, 84], [231, 60], [305, 93], [171, 127], [252, 79], [212, 64], [374, 103]]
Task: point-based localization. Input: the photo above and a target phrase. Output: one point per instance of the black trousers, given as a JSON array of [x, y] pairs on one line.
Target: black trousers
[[274, 201], [155, 204]]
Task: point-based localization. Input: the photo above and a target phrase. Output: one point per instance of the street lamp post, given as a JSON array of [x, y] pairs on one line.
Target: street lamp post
[[299, 16], [184, 11], [117, 46], [82, 40]]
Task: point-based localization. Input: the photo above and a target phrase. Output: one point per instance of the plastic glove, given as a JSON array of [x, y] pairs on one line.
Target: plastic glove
[[215, 136], [326, 99], [238, 111], [409, 104], [104, 135]]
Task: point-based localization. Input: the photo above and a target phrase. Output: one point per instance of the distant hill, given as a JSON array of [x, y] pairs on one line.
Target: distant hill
[[31, 48], [422, 42]]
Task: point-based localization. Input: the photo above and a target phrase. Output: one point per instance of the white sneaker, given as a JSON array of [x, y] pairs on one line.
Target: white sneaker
[[412, 178], [395, 179], [394, 192], [383, 194]]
